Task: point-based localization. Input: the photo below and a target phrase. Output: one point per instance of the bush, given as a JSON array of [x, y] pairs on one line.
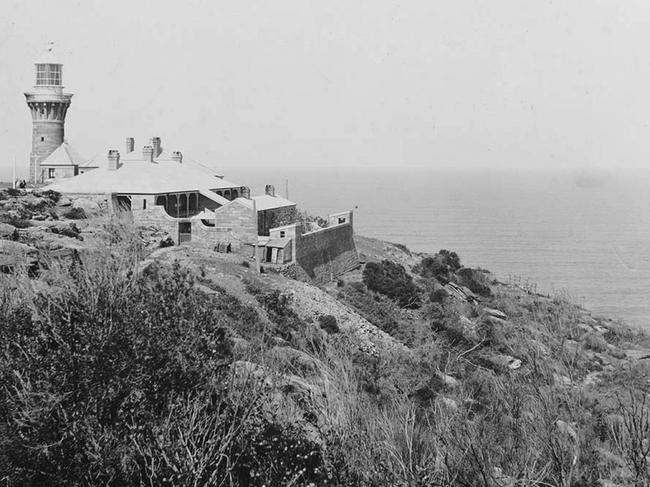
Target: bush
[[474, 280], [15, 221], [328, 323], [245, 263], [71, 231], [112, 357], [14, 192], [439, 266], [166, 242], [75, 213], [403, 248], [51, 195], [391, 279], [439, 295]]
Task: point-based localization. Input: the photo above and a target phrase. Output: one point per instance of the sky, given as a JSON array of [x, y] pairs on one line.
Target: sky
[[468, 84]]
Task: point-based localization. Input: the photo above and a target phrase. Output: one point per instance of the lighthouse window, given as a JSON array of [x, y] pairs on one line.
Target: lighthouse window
[[48, 74]]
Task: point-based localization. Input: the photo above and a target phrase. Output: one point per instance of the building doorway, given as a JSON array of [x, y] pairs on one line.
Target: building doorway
[[184, 232]]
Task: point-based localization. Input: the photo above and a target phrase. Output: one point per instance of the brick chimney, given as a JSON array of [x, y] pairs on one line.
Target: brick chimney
[[130, 145], [147, 153], [177, 157], [157, 149], [113, 160], [270, 190]]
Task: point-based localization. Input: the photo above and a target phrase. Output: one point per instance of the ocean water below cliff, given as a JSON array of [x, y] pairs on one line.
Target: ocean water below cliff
[[582, 234]]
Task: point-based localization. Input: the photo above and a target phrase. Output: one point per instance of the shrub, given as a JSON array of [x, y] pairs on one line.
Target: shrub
[[328, 323], [391, 279], [166, 242], [71, 231], [475, 281], [14, 192], [432, 267], [438, 295], [75, 213], [15, 221], [51, 195], [245, 263], [403, 248], [112, 354], [595, 342]]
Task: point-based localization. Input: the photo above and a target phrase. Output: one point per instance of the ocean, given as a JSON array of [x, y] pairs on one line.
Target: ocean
[[578, 234]]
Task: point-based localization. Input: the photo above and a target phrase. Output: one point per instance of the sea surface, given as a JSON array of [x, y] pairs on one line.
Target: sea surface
[[585, 235]]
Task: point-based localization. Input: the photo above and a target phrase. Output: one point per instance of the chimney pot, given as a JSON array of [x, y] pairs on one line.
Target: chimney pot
[[157, 149], [177, 156], [270, 190], [147, 153], [113, 160], [130, 144]]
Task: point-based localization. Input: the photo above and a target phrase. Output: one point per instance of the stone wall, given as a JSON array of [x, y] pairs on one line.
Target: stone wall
[[59, 172], [327, 253], [52, 134], [155, 216], [238, 219], [275, 217]]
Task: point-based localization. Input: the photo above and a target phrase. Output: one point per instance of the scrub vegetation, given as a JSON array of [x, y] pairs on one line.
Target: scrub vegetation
[[121, 371]]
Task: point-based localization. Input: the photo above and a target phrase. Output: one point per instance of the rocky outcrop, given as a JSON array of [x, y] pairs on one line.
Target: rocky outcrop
[[310, 302]]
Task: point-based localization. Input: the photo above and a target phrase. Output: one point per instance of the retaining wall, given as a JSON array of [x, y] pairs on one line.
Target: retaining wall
[[327, 253]]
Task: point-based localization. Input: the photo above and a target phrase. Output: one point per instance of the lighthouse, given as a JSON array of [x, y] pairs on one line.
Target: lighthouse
[[48, 105]]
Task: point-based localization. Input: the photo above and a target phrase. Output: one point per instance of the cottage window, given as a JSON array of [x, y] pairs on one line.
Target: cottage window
[[282, 234], [50, 172]]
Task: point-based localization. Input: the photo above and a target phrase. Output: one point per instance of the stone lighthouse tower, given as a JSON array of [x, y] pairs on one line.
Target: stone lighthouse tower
[[48, 105]]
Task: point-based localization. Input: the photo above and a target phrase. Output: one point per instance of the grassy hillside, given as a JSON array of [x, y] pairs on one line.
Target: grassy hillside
[[125, 365]]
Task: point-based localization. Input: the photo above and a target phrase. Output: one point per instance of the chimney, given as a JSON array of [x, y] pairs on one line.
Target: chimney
[[155, 142], [130, 145], [270, 190], [113, 160], [246, 192], [177, 157], [147, 153]]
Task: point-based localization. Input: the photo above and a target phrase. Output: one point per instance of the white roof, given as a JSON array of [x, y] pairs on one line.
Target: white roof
[[64, 155], [204, 215], [267, 202], [140, 177]]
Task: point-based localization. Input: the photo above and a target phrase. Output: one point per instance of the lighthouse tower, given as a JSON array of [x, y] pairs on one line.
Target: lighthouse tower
[[48, 105]]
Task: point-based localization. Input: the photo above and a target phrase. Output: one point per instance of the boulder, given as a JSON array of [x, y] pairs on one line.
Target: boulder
[[447, 380], [469, 329], [449, 403], [504, 362], [495, 313], [15, 254], [561, 380], [8, 232]]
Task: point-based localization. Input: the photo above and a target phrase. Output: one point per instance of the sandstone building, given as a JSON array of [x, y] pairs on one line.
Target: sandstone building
[[182, 198], [51, 156]]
